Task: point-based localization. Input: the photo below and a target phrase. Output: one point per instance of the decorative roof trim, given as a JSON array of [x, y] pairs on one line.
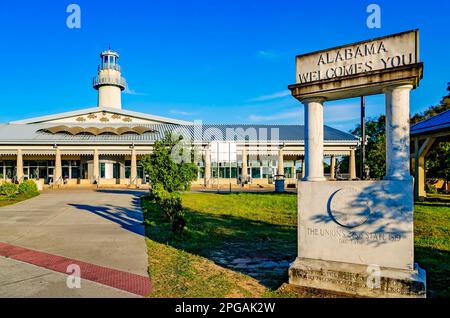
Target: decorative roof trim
[[95, 131]]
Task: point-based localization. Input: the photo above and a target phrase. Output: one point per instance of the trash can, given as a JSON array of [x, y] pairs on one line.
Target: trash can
[[279, 183]]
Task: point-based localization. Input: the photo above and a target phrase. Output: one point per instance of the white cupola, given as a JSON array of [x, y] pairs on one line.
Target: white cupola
[[109, 81]]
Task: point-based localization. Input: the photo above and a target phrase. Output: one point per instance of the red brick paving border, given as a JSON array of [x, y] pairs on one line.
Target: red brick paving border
[[133, 283]]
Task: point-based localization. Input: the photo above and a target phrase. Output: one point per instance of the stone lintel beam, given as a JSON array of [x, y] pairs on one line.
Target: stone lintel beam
[[364, 84]]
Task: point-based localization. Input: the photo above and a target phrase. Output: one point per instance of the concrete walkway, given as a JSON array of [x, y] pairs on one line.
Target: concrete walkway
[[101, 227]]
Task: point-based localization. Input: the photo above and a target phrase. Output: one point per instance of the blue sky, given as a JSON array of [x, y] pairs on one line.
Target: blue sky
[[218, 61]]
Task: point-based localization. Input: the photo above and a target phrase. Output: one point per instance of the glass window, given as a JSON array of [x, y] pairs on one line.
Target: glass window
[[256, 173], [102, 170], [267, 172], [75, 172], [65, 172]]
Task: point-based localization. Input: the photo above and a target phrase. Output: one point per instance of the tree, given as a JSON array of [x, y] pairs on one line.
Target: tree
[[375, 148], [169, 176]]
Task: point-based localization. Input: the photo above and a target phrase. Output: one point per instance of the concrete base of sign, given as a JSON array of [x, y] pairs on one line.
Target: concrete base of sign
[[345, 227], [359, 280]]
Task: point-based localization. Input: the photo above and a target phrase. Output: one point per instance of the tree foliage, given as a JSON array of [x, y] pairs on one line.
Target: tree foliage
[[162, 168], [169, 174], [375, 148]]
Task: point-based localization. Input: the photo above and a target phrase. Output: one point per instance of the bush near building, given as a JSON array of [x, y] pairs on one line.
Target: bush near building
[[8, 189], [28, 187]]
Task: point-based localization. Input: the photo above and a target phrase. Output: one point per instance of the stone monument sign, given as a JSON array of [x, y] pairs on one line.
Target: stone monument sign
[[357, 236]]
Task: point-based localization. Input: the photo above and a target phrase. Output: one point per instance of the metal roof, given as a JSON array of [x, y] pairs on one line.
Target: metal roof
[[436, 123], [33, 134]]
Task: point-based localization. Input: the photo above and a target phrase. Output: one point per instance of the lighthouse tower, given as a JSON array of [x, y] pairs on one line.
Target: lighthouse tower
[[109, 81]]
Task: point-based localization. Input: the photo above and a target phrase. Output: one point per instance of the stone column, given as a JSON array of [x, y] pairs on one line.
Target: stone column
[[280, 170], [133, 172], [96, 164], [352, 165], [332, 167], [244, 173], [207, 160], [314, 139], [397, 132], [19, 166], [57, 177]]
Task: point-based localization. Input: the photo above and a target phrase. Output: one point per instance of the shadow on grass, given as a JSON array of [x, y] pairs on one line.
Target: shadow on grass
[[437, 265], [259, 249]]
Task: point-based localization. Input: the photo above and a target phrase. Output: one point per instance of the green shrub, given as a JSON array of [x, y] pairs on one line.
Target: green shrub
[[28, 187], [170, 203], [430, 188], [8, 189]]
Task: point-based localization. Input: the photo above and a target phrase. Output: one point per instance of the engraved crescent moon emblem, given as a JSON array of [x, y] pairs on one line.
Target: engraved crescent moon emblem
[[349, 207]]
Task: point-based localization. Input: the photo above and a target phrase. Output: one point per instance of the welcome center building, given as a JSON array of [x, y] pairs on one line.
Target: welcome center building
[[103, 145]]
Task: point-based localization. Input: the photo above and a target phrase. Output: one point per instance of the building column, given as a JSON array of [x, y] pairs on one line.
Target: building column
[[314, 139], [122, 169], [352, 165], [244, 173], [207, 161], [397, 132], [57, 177], [96, 166], [332, 167], [19, 166], [280, 170], [133, 172]]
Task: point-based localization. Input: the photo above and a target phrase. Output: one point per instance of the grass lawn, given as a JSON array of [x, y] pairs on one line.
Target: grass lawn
[[4, 201], [432, 245], [240, 245]]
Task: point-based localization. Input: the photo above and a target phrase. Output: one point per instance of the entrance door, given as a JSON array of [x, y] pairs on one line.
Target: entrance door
[[26, 173], [50, 174]]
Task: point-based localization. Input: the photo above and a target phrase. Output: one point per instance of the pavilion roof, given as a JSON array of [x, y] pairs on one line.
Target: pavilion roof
[[438, 123]]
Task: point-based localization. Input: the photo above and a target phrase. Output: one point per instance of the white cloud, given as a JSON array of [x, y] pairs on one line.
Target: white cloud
[[267, 54], [295, 114], [340, 113], [133, 92], [180, 112], [272, 96]]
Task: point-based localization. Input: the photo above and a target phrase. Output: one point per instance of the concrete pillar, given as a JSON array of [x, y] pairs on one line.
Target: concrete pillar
[[314, 139], [280, 169], [96, 166], [397, 132], [207, 160], [19, 166], [352, 165], [244, 173], [133, 172], [122, 169], [332, 167], [57, 176]]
